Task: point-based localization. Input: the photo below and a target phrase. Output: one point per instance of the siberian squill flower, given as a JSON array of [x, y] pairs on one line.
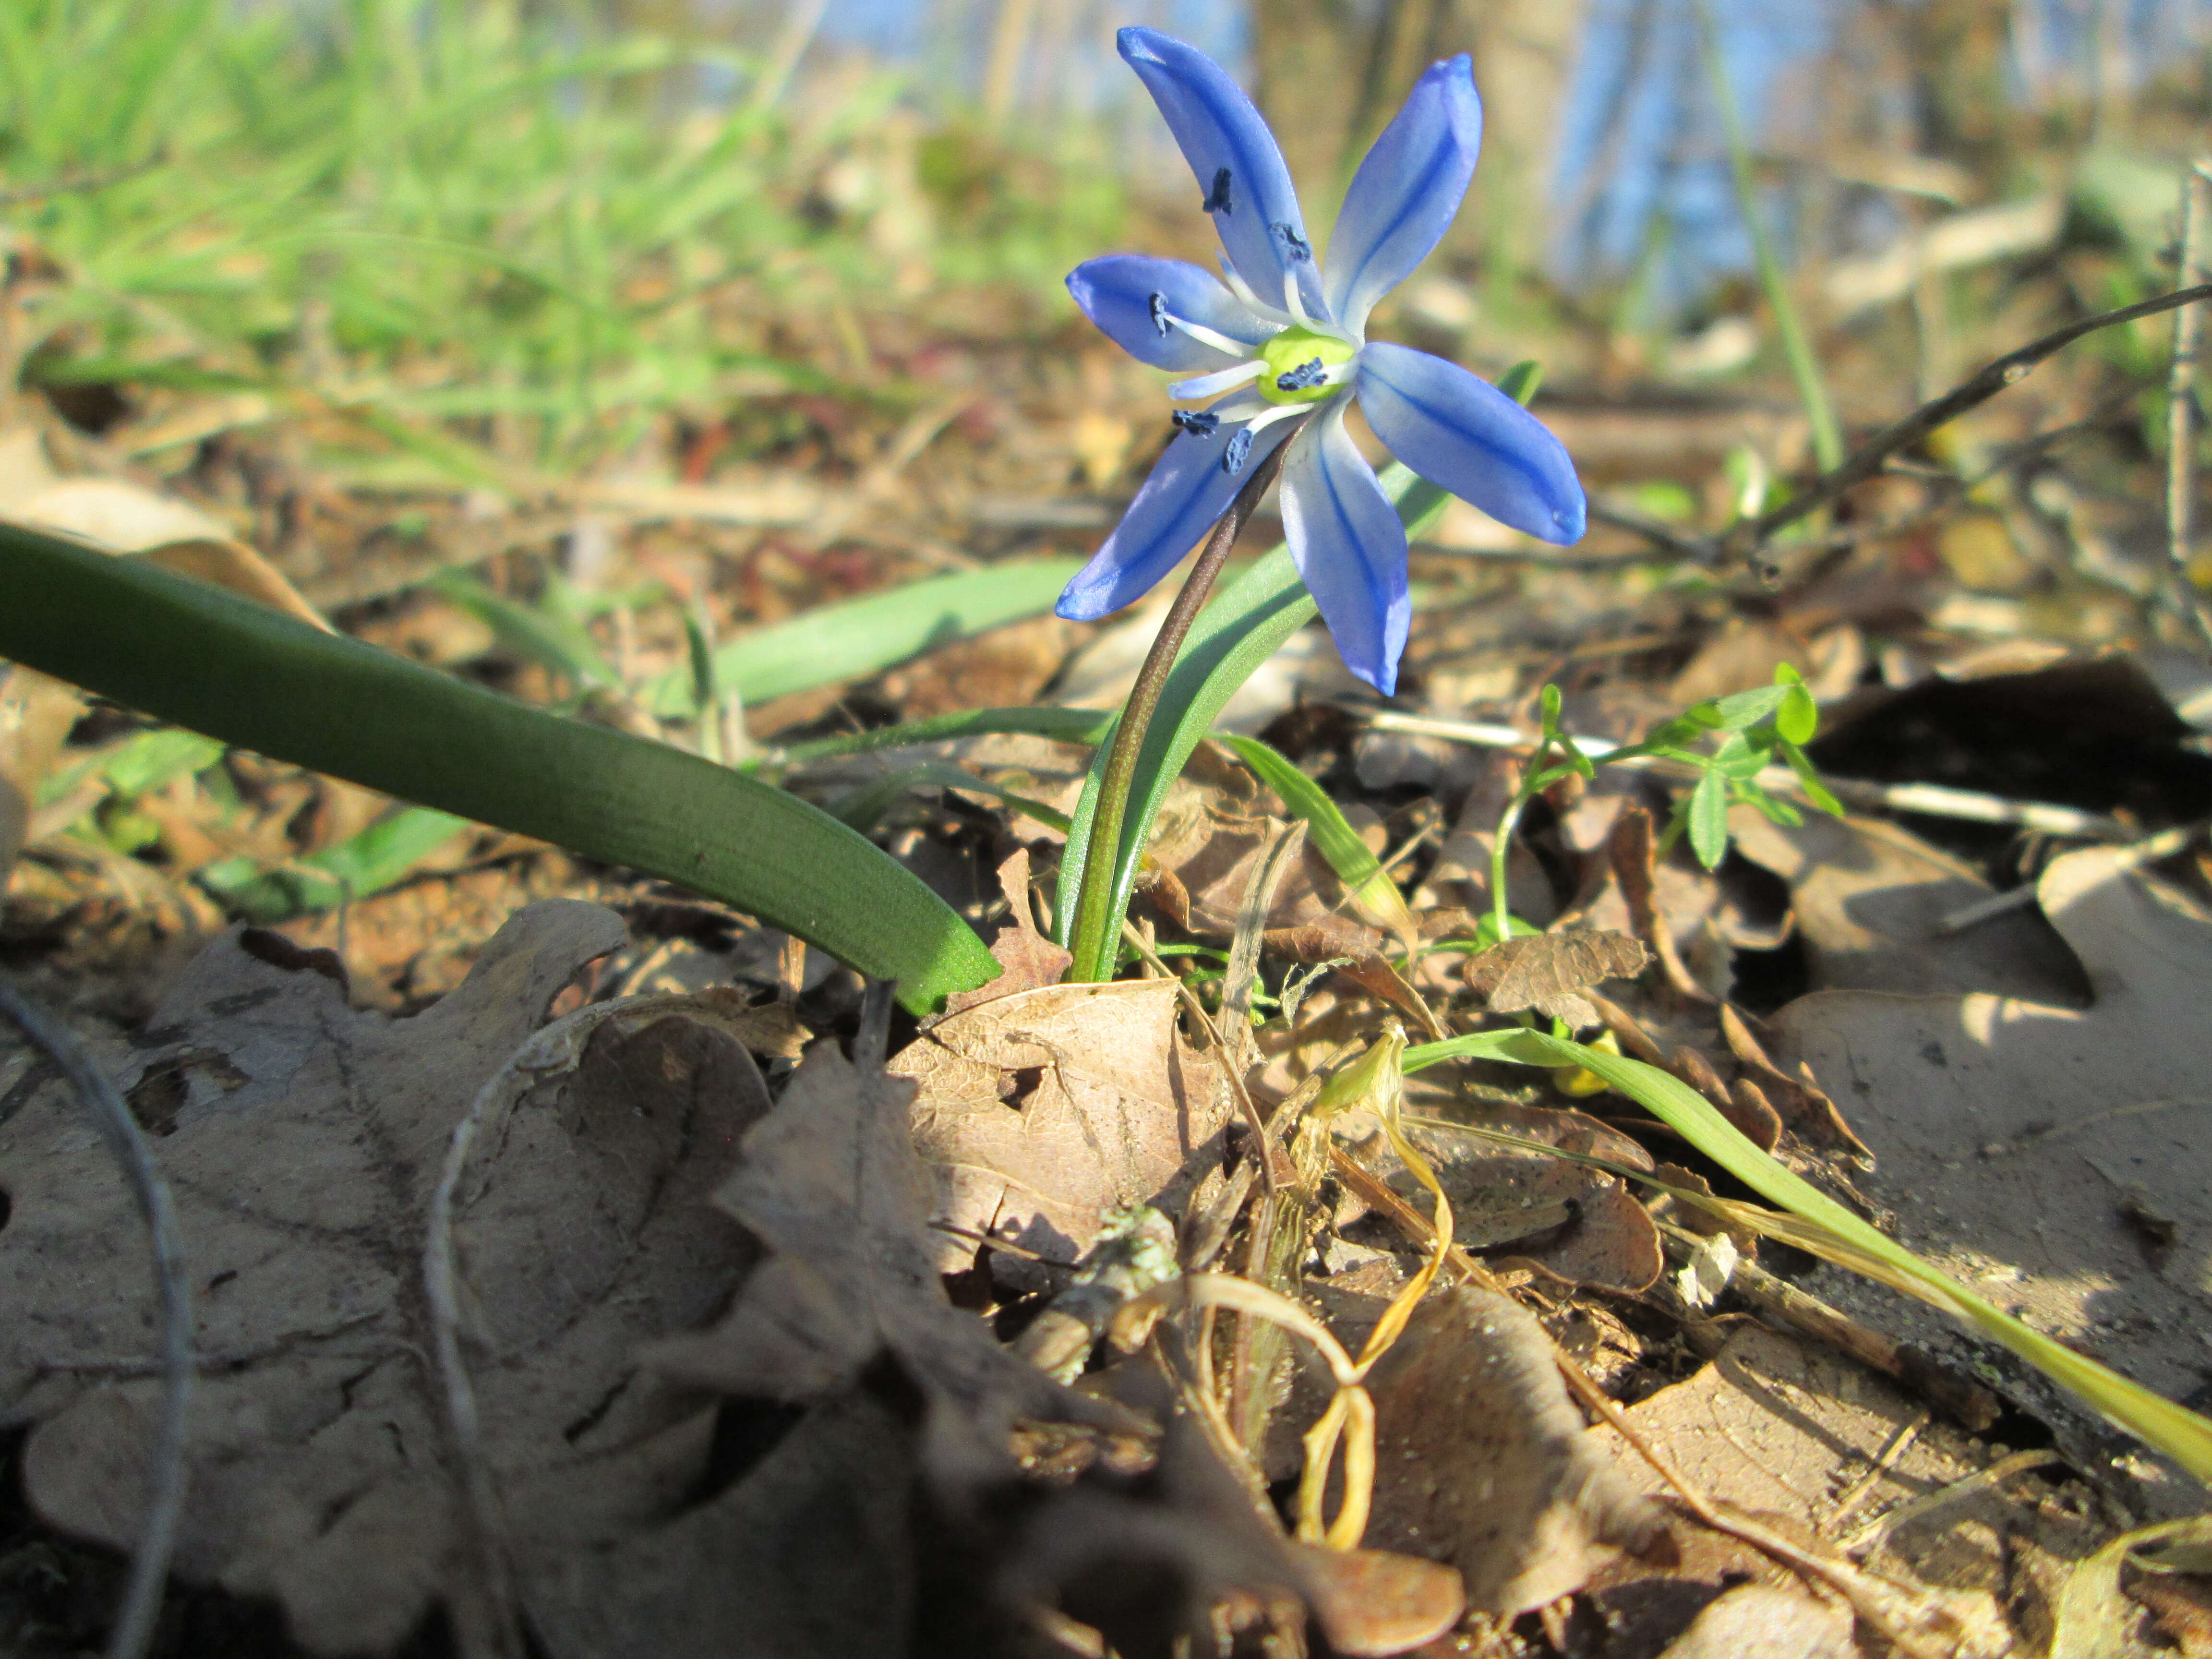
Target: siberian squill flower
[[1287, 338]]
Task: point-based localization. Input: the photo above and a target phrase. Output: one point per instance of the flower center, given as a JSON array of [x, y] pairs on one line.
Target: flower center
[[1299, 362]]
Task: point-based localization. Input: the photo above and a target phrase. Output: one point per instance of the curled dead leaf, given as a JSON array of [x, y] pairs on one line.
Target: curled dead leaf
[[1544, 971], [1483, 1461]]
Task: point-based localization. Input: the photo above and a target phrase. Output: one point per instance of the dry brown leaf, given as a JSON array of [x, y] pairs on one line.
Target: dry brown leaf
[[1800, 1100], [1760, 1621], [1632, 851], [1544, 971], [122, 516], [303, 1139], [1868, 897], [1029, 959], [1481, 1459], [1377, 1602], [810, 1554], [1819, 1446], [830, 1186], [2010, 1135], [1574, 1222], [36, 714], [1037, 1112], [1460, 876]]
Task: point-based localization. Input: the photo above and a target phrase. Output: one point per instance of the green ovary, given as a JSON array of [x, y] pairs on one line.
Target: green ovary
[[1292, 352]]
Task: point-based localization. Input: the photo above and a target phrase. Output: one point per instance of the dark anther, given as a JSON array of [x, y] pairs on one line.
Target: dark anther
[[1299, 250], [1159, 305], [1198, 422], [1240, 448], [1217, 199], [1307, 375]]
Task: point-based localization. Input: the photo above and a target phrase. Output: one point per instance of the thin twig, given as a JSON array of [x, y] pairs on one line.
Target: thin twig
[[1093, 929], [2181, 410], [2004, 372], [157, 1533]]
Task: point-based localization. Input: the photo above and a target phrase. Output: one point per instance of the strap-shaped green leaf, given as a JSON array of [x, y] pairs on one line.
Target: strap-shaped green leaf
[[856, 638], [203, 658]]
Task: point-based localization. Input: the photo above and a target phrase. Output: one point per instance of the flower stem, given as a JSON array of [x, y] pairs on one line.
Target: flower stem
[[1094, 929]]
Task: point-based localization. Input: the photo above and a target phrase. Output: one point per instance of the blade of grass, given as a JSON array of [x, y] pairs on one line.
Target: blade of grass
[[863, 637], [1834, 1233], [380, 856], [203, 658], [1083, 726], [1355, 866], [1796, 344]]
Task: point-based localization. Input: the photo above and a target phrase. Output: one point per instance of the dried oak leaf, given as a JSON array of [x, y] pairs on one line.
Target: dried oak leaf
[[1037, 1112], [1027, 959], [303, 1139], [1572, 1221], [1482, 1461], [2010, 1133], [830, 1185], [1544, 971]]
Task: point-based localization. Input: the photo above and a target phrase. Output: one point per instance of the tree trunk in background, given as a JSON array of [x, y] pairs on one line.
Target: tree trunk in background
[[1310, 58], [1332, 72]]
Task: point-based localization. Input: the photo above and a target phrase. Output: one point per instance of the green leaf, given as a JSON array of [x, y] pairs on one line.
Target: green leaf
[[1736, 758], [1520, 382], [1798, 717], [865, 636], [1740, 709], [380, 855], [1232, 636], [206, 659], [865, 807], [140, 764], [1834, 1232], [544, 635], [1815, 791], [1083, 726], [1337, 842], [1708, 821]]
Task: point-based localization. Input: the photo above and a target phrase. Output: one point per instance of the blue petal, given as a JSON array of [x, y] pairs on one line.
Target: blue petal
[[1246, 187], [1405, 192], [1116, 294], [1349, 546], [1466, 435], [1188, 490]]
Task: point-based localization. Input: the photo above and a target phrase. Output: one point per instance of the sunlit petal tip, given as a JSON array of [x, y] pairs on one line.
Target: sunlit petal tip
[[1243, 186], [1464, 433], [1132, 298], [1406, 192]]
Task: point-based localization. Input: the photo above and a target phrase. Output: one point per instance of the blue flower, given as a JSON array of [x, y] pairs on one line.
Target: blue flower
[[1286, 337]]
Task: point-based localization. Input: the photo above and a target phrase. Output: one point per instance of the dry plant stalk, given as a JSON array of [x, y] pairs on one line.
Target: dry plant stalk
[[1376, 1080]]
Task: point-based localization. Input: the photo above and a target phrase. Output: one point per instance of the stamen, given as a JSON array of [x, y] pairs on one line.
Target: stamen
[[1164, 320], [1239, 451], [1217, 199], [1267, 418], [1252, 302], [1213, 384], [1296, 249], [1198, 422], [1307, 375]]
